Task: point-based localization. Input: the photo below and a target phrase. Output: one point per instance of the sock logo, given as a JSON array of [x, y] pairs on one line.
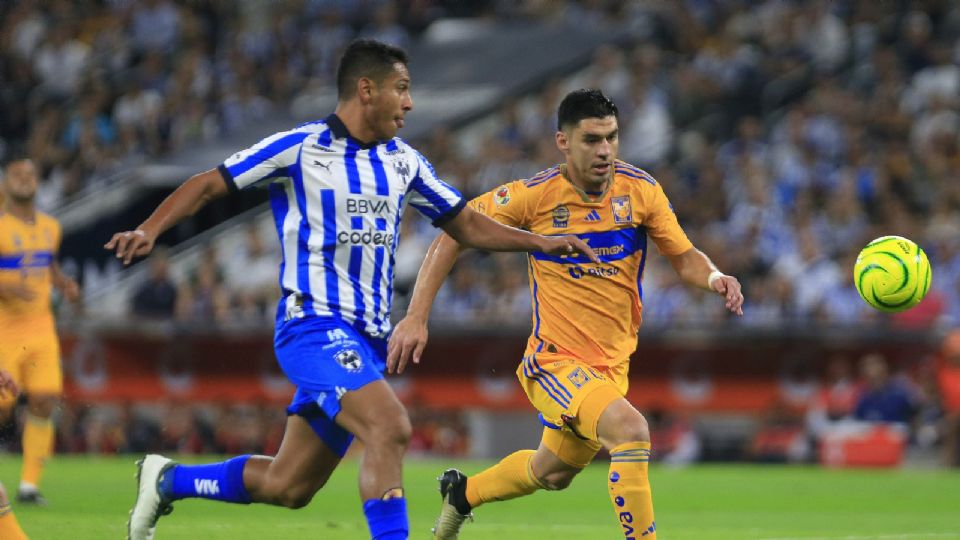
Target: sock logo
[[626, 520], [619, 501], [614, 476], [205, 486]]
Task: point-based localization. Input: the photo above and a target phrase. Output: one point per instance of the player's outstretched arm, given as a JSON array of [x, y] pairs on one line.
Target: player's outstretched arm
[[694, 267], [185, 201], [410, 335], [476, 230]]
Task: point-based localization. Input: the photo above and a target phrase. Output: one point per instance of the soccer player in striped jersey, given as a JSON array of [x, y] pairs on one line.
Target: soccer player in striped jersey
[[337, 188], [574, 370]]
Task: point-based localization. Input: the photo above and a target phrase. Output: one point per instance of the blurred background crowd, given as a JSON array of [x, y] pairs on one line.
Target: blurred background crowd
[[786, 133]]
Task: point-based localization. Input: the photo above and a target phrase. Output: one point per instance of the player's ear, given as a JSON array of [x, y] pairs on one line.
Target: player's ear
[[365, 89], [562, 142]]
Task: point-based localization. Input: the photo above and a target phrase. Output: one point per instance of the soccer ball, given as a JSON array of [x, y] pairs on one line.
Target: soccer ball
[[892, 274]]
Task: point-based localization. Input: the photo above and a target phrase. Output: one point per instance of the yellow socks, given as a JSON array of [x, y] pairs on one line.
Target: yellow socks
[[630, 490], [37, 447], [510, 478], [9, 528]]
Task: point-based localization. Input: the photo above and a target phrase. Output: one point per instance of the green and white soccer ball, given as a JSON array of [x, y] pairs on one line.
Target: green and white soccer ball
[[892, 274]]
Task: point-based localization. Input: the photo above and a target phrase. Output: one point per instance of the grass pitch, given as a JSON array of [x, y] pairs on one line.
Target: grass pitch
[[89, 499]]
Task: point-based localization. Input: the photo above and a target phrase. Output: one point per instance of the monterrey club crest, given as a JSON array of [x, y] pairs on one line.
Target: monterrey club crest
[[501, 196], [622, 212], [349, 360], [402, 168]]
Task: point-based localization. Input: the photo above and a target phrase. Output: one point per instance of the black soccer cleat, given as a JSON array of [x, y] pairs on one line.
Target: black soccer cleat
[[31, 497], [455, 508]]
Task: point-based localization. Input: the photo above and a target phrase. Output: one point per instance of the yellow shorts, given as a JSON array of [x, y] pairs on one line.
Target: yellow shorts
[[34, 363], [571, 396]]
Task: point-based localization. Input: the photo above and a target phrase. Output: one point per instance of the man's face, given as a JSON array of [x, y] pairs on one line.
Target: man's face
[[390, 102], [591, 148], [20, 181]]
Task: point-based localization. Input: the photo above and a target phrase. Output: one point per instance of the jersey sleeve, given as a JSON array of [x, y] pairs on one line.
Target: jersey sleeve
[[433, 198], [661, 223], [270, 158], [506, 204]]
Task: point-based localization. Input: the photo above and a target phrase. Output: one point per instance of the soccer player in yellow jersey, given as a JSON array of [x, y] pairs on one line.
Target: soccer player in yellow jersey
[[29, 348], [585, 317]]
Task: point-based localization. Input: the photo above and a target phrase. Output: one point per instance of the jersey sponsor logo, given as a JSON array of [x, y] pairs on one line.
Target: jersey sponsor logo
[[336, 335], [577, 272], [349, 360], [366, 206], [592, 216], [368, 237], [622, 212], [396, 152], [323, 148], [501, 196], [206, 486], [578, 377], [561, 217]]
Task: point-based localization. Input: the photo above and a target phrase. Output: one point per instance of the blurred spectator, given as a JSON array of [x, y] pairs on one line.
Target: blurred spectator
[[884, 398], [948, 375], [204, 300], [836, 400], [251, 276], [157, 296]]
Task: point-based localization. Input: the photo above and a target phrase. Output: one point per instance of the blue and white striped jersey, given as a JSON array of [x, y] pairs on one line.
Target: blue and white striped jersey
[[337, 205]]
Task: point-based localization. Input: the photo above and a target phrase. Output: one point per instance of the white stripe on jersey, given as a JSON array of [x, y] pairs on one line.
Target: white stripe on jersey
[[339, 260]]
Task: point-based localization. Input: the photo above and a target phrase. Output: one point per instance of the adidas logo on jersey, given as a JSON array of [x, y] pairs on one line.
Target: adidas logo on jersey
[[592, 216]]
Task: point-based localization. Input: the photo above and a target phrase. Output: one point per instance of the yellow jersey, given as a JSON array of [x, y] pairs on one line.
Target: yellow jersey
[[580, 309], [27, 252]]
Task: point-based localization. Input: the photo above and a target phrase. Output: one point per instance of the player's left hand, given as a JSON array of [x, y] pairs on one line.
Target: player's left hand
[[407, 341], [7, 385], [130, 244], [729, 287]]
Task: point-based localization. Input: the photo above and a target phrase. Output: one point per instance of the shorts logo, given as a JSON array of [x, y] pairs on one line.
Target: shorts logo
[[622, 212], [501, 196], [578, 377], [349, 360], [561, 217]]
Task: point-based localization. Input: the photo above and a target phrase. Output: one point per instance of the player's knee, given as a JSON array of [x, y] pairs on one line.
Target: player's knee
[[42, 405], [557, 480], [629, 426], [295, 498], [392, 429]]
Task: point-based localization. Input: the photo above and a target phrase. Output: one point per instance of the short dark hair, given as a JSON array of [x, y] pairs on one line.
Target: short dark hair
[[366, 58], [13, 155], [584, 103]]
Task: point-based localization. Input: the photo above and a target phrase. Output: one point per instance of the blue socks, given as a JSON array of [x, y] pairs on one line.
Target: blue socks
[[217, 481], [387, 519]]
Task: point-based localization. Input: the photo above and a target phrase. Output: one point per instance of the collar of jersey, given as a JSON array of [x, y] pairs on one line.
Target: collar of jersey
[[340, 131], [586, 197]]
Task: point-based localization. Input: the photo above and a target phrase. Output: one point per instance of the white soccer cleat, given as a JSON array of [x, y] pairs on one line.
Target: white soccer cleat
[[150, 504], [452, 486]]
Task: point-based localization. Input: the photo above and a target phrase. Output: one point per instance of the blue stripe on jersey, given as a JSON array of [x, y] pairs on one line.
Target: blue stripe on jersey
[[34, 259], [303, 240], [377, 278], [536, 303], [350, 161], [325, 138], [381, 224], [267, 152], [280, 206], [643, 261], [354, 269], [379, 173], [541, 175], [356, 222], [537, 181], [393, 251], [435, 199], [329, 203], [633, 172], [610, 246]]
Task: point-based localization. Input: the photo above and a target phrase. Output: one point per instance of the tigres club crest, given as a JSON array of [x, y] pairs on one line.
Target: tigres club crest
[[501, 196], [622, 212], [561, 217]]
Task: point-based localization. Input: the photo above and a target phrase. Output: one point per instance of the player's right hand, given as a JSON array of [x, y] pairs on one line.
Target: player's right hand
[[7, 384], [130, 244], [407, 341]]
